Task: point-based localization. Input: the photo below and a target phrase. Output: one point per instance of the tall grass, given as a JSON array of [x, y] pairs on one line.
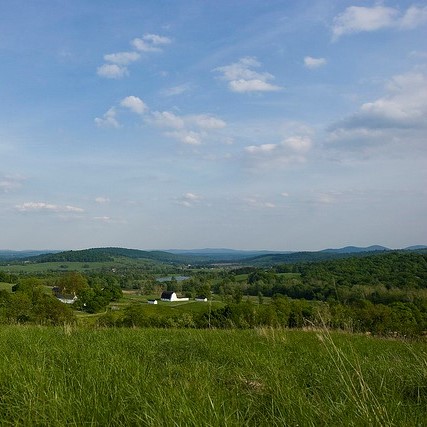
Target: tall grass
[[265, 377]]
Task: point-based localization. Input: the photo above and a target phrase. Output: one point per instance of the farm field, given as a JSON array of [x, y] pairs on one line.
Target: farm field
[[262, 377]]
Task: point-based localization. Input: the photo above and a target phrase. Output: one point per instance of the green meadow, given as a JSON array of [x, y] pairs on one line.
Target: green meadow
[[180, 377]]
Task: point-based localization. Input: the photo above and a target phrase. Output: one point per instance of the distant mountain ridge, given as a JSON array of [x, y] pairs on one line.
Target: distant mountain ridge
[[356, 249], [196, 256]]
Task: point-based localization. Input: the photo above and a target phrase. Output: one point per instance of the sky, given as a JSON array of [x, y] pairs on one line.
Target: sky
[[255, 124]]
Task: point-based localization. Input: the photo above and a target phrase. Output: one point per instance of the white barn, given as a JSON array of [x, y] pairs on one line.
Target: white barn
[[171, 296]]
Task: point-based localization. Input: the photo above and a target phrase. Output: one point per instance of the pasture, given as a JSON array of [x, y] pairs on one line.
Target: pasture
[[263, 377]]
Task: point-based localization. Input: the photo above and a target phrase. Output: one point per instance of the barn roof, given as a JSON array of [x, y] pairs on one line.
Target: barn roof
[[167, 294]]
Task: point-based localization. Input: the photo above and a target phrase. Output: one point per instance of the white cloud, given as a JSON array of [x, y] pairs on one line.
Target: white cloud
[[205, 121], [117, 62], [191, 129], [356, 19], [290, 150], [135, 104], [242, 77], [414, 17], [313, 63], [186, 136], [392, 125], [299, 144], [144, 46], [167, 119], [254, 85], [122, 58], [156, 39], [403, 106], [47, 207], [112, 71], [150, 43], [108, 120]]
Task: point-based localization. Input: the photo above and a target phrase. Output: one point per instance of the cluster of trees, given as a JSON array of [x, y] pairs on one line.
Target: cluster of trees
[[32, 300], [396, 319], [30, 303], [93, 293]]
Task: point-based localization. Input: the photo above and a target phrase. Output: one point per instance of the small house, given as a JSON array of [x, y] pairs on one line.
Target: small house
[[201, 298], [64, 298], [152, 301]]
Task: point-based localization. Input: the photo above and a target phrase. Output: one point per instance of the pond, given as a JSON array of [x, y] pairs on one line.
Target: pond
[[169, 278]]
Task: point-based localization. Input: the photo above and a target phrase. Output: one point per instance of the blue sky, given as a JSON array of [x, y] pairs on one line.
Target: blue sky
[[256, 124]]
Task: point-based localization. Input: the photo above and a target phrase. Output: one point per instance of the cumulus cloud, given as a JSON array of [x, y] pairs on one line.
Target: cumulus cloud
[[47, 207], [313, 63], [167, 119], [187, 136], [190, 129], [394, 123], [112, 71], [290, 150], [414, 17], [242, 77], [134, 104], [403, 106], [108, 120], [356, 19], [116, 63]]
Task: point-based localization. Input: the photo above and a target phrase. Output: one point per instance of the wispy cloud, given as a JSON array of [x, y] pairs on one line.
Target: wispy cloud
[[356, 19], [47, 207], [242, 77], [102, 200], [177, 90], [122, 58], [312, 63], [188, 199], [256, 202]]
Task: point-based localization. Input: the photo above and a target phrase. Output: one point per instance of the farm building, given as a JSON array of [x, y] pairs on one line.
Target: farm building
[[171, 296], [64, 298], [152, 301], [201, 298]]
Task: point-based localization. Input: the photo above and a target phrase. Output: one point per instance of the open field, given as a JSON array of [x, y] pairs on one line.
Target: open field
[[264, 377]]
